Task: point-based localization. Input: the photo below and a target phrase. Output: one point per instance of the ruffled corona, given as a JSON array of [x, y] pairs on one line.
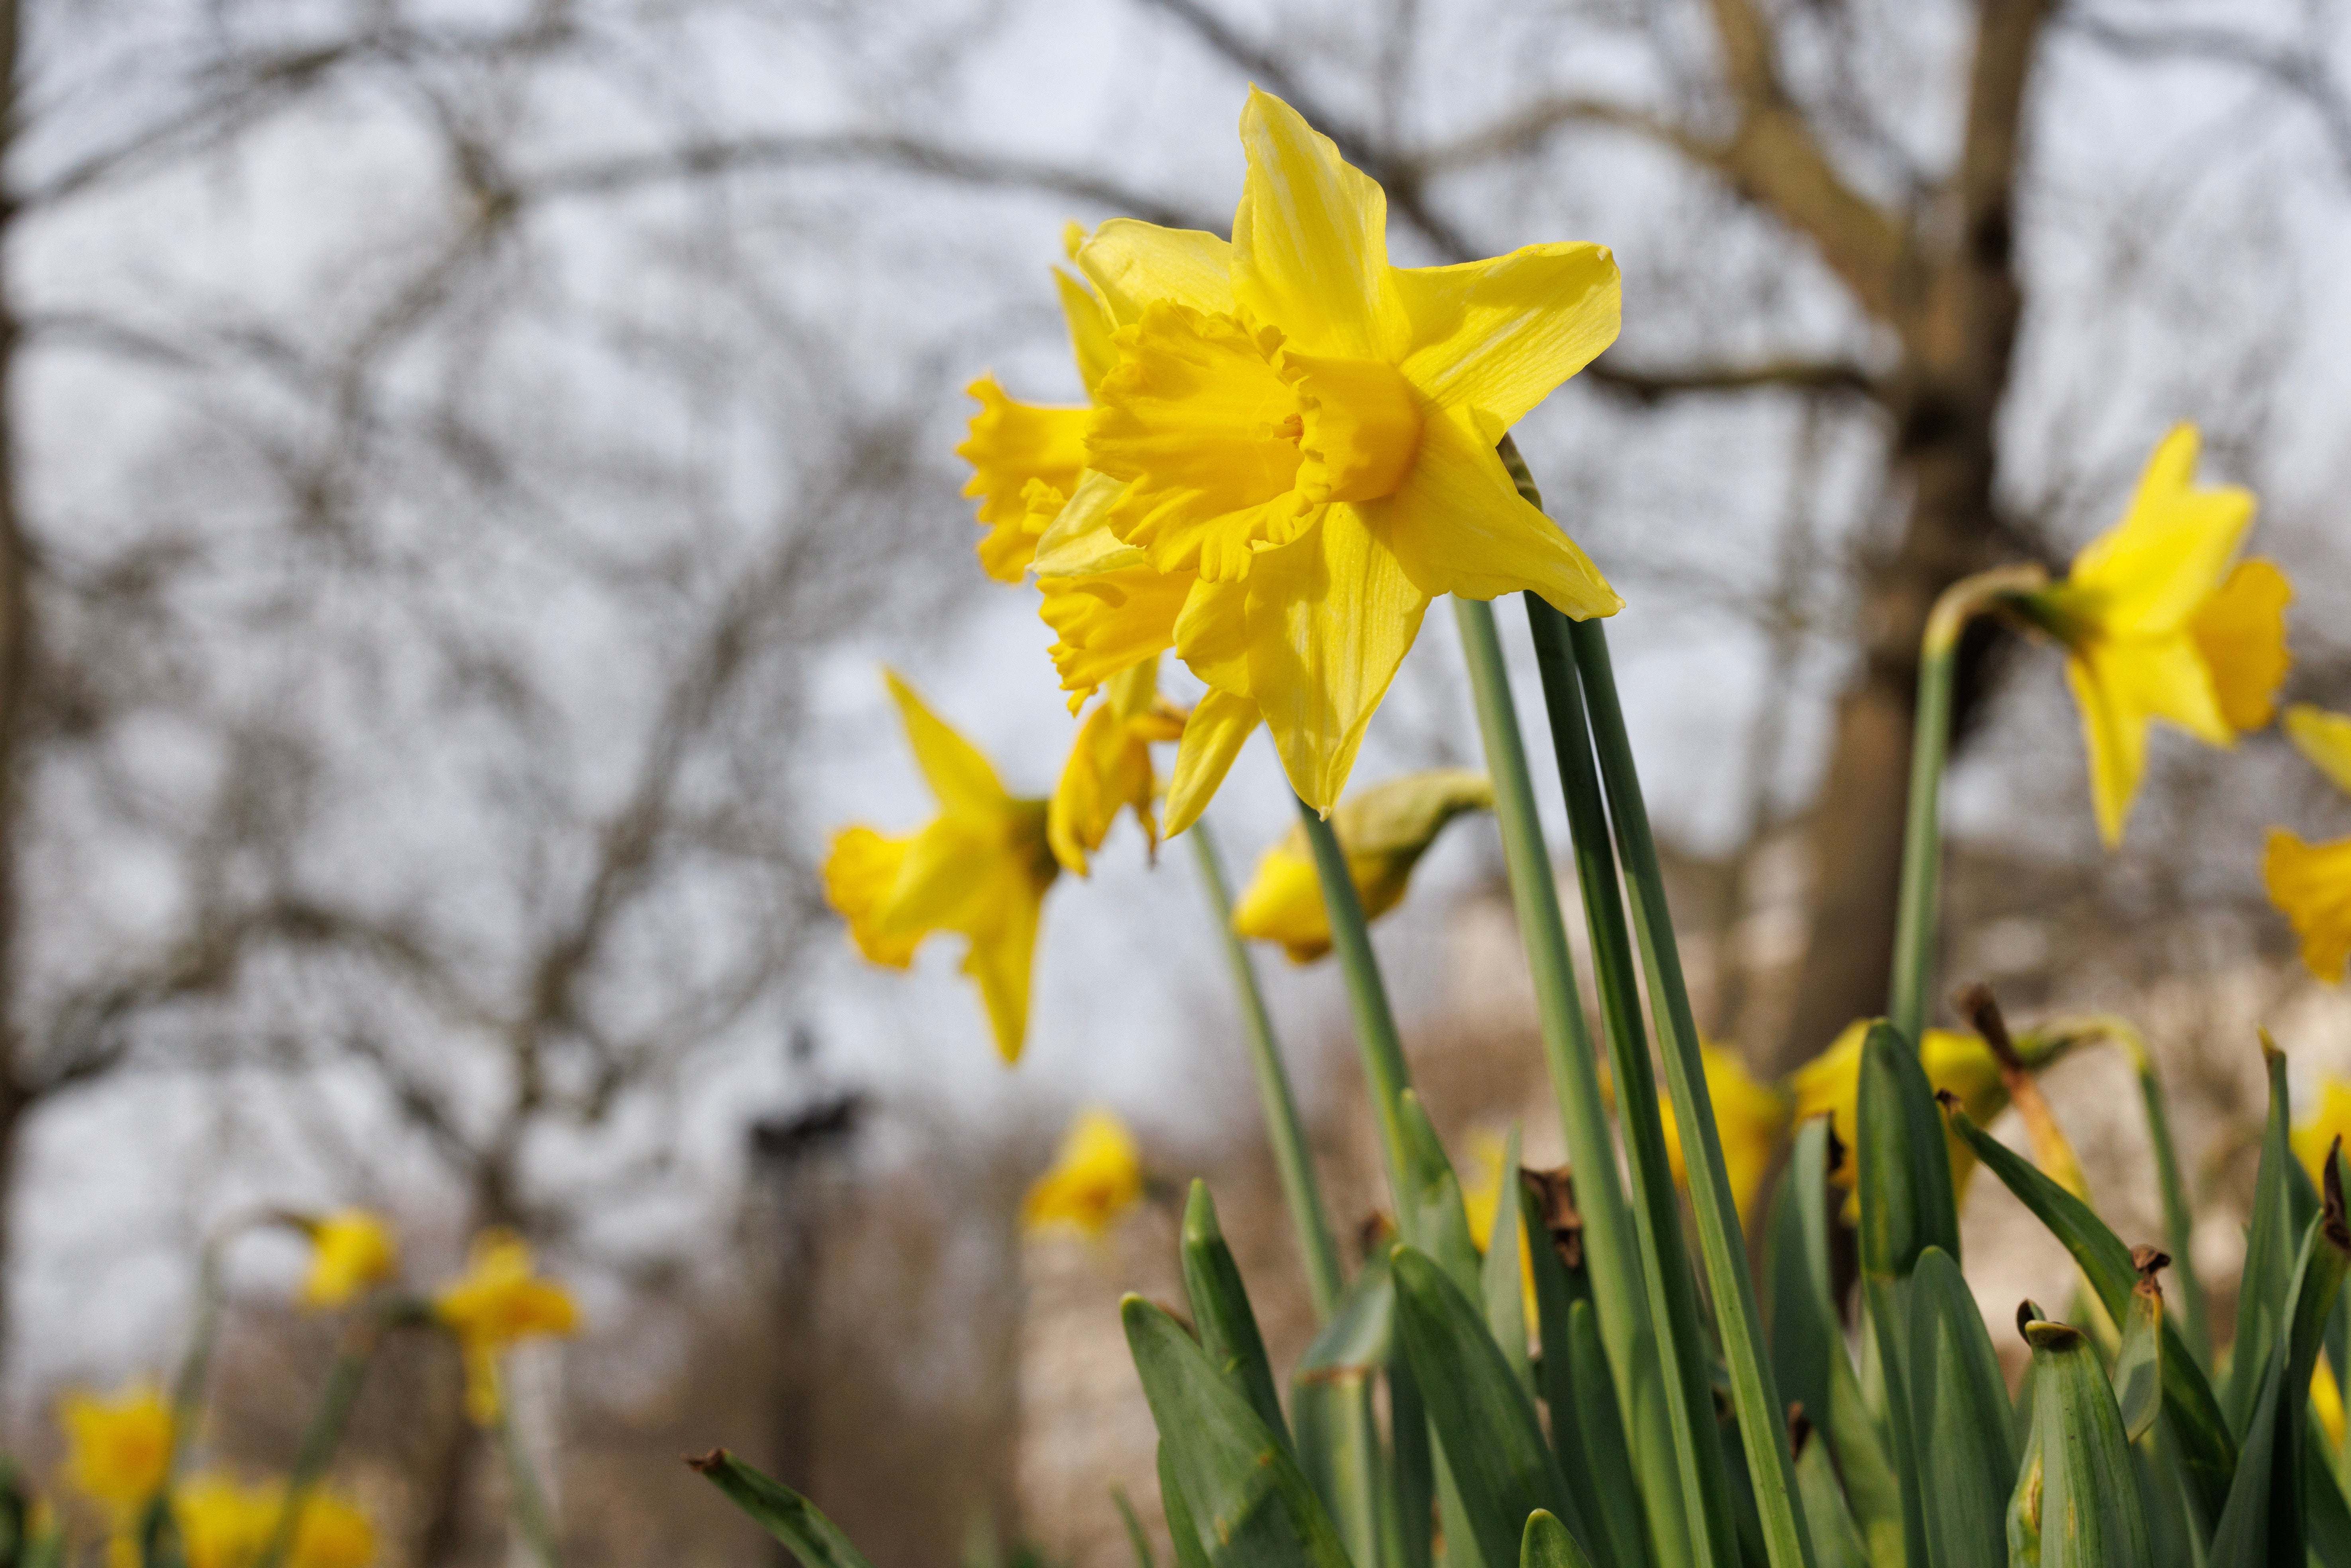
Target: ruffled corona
[[1109, 769], [1019, 452]]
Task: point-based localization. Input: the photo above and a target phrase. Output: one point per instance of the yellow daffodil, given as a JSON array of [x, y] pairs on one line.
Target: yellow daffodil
[[1109, 768], [1384, 830], [351, 1250], [117, 1450], [225, 1524], [2330, 1119], [979, 869], [1298, 440], [498, 1303], [1026, 458], [2157, 625], [1096, 1178], [1750, 1119], [2311, 883], [1958, 1065]]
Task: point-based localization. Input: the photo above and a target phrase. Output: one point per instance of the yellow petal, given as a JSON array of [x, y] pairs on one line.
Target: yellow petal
[[1090, 330], [1010, 445], [1079, 540], [1220, 722], [1131, 263], [2241, 631], [1750, 1119], [1109, 770], [1212, 634], [1110, 621], [1330, 619], [949, 881], [2151, 571], [350, 1249], [1459, 525], [1283, 903], [1499, 335], [1310, 241], [2311, 885], [2330, 1119], [1000, 962], [2119, 686], [2324, 739], [861, 873], [1096, 1178], [957, 774]]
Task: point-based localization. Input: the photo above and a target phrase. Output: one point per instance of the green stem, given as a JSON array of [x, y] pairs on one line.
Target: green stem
[[1375, 1031], [1930, 742], [319, 1439], [1670, 1460], [1762, 1418], [526, 1501], [1291, 1156]]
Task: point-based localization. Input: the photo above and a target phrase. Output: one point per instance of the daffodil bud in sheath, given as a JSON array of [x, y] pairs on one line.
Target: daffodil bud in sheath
[[1384, 830]]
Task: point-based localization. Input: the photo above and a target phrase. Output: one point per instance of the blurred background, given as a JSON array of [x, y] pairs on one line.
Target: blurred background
[[464, 464]]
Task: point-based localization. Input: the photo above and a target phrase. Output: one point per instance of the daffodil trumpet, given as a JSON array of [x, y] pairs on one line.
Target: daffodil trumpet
[[1285, 1130], [1930, 745]]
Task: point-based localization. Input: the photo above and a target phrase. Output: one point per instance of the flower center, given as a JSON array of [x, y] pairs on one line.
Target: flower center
[[1361, 427]]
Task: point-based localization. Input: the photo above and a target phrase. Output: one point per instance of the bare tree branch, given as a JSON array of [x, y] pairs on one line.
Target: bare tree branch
[[2302, 72], [1816, 376]]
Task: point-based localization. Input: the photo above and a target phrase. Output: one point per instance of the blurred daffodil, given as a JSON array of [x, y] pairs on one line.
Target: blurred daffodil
[[1026, 459], [2157, 625], [1750, 1118], [497, 1302], [226, 1525], [351, 1250], [1109, 768], [1096, 1178], [1958, 1065], [1383, 830], [2330, 1119], [2311, 883], [1301, 438], [117, 1449], [979, 869]]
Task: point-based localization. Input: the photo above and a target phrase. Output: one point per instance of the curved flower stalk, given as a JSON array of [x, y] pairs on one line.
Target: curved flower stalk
[[351, 1251], [1384, 830], [1095, 1178], [2160, 622], [1109, 768], [1026, 458], [1297, 446], [2311, 883], [497, 1303], [979, 869]]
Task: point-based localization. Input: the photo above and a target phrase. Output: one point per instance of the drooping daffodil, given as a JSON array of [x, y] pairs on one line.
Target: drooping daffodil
[[1383, 830], [1096, 1178], [1750, 1118], [499, 1301], [2311, 883], [979, 869], [1294, 453], [1109, 768], [2159, 620], [1026, 458], [117, 1449], [351, 1250]]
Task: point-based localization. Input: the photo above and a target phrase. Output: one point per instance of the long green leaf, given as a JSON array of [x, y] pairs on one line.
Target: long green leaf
[[1331, 1402], [1221, 1312], [1182, 1529], [2273, 1238], [1960, 1414], [790, 1518], [1498, 1279], [2208, 1453], [2087, 1509], [1249, 1501], [1796, 1274], [1836, 1540], [1138, 1541], [1587, 1430], [1904, 1177], [1433, 1219], [1412, 1483], [1485, 1423], [2138, 1365], [1547, 1544]]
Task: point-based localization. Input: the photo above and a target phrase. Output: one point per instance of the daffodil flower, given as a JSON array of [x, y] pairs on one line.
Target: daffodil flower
[[1096, 1178], [117, 1450], [1026, 458], [1109, 768], [1299, 439], [979, 869], [1958, 1065], [2311, 883], [1750, 1118], [2328, 1120], [1384, 830], [351, 1250], [2157, 625], [498, 1303], [225, 1523]]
